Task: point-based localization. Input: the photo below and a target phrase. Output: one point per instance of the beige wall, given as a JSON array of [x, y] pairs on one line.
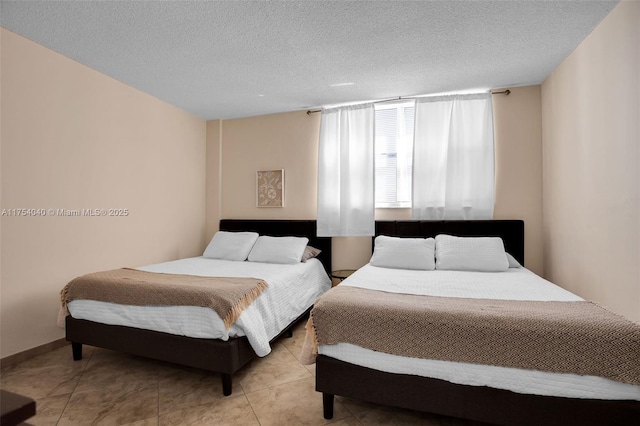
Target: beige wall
[[290, 141], [518, 141], [213, 176], [286, 141], [591, 158], [73, 138]]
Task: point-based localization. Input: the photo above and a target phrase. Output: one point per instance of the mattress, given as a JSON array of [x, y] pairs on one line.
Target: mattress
[[514, 284], [291, 290]]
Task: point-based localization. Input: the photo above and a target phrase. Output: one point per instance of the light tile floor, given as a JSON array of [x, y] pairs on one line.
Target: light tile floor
[[111, 388]]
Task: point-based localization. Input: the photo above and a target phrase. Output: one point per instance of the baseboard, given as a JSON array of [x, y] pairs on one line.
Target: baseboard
[[32, 353]]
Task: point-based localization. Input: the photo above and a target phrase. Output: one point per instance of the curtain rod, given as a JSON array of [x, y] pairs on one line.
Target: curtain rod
[[399, 98]]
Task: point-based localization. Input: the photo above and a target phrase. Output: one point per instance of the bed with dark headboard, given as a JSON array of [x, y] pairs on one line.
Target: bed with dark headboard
[[224, 357], [480, 403]]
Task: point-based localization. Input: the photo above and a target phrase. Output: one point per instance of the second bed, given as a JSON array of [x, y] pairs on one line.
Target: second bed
[[435, 340]]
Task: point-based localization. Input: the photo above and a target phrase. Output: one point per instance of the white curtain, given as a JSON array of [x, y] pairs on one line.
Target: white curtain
[[346, 197], [453, 158]]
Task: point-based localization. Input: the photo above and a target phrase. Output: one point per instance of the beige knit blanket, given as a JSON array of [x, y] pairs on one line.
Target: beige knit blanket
[[561, 337], [227, 296]]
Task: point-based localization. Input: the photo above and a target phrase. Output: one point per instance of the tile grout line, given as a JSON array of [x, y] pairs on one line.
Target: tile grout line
[[76, 385], [251, 406], [244, 392]]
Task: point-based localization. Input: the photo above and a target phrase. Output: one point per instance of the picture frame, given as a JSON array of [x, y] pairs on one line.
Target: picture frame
[[270, 188]]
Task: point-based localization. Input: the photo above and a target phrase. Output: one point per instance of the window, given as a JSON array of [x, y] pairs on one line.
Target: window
[[394, 154]]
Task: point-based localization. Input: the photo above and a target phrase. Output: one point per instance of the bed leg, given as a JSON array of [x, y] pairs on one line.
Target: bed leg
[[76, 349], [226, 384], [327, 405], [289, 333]]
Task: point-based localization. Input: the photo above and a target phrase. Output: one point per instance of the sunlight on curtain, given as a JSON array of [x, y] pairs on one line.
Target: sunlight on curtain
[[453, 158], [346, 172]]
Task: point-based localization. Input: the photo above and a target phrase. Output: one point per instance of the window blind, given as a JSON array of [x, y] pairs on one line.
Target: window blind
[[393, 154]]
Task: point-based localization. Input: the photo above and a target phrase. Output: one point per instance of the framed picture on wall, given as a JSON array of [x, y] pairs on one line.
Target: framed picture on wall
[[270, 188]]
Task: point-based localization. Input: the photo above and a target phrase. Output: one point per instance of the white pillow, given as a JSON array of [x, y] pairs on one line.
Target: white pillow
[[484, 254], [513, 263], [230, 245], [278, 249], [404, 253]]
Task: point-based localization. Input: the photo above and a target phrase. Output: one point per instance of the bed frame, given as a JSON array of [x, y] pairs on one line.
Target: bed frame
[[224, 357], [485, 404]]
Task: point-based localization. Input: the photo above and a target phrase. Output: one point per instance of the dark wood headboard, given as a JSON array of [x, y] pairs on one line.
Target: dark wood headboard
[[511, 231], [284, 228]]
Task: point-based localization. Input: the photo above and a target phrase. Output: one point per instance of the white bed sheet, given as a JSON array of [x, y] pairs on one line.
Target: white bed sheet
[[291, 290], [514, 284]]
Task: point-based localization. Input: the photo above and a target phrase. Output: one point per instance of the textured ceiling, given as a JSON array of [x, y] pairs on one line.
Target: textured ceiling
[[223, 59]]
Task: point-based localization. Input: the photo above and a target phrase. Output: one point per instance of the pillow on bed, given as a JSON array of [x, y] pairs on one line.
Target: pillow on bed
[[484, 254], [513, 263], [310, 253], [230, 245], [404, 253], [278, 249]]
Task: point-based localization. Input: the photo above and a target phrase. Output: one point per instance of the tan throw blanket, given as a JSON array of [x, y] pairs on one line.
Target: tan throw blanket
[[227, 296], [561, 337]]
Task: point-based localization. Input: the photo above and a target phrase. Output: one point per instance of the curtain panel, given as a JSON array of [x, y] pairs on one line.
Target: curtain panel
[[346, 196], [453, 158]]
